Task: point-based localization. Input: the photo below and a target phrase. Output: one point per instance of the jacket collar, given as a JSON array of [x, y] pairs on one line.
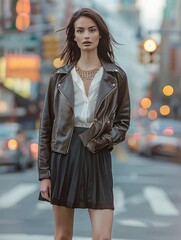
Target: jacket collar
[[108, 84]]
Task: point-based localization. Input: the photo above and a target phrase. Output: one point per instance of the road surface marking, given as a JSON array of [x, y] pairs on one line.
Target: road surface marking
[[41, 237], [16, 194], [135, 199], [43, 205], [159, 202], [119, 201], [133, 223], [144, 223]]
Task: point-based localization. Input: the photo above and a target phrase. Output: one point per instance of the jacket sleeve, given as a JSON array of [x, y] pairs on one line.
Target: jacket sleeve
[[122, 115], [45, 132]]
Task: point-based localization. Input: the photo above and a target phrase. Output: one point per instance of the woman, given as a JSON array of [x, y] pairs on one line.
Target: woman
[[86, 112]]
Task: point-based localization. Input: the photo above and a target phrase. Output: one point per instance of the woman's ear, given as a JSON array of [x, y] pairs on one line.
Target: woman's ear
[[100, 36]]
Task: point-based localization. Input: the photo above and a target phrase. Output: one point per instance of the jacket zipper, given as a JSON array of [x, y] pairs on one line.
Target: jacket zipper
[[73, 119], [103, 100], [99, 106]]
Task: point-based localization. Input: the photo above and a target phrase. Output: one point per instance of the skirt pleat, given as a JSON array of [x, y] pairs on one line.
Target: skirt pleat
[[80, 178]]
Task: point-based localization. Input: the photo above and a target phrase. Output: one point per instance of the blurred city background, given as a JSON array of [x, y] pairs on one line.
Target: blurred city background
[[146, 167]]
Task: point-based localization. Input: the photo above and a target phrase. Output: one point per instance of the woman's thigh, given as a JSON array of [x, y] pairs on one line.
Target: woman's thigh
[[102, 221], [63, 218]]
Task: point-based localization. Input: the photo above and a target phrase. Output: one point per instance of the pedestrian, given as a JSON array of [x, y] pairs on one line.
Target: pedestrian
[[86, 112]]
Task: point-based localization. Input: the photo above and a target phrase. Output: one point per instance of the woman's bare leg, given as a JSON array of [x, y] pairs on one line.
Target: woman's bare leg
[[63, 218], [101, 221]]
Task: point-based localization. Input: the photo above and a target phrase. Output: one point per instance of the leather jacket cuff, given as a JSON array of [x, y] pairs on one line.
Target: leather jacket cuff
[[43, 174]]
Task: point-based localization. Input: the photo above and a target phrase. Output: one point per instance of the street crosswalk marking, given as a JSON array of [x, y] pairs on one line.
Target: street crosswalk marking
[[159, 202], [132, 223], [43, 205], [41, 237], [16, 194], [156, 197], [119, 201]]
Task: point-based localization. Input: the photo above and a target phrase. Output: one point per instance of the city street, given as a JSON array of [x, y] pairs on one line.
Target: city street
[[147, 195], [147, 202]]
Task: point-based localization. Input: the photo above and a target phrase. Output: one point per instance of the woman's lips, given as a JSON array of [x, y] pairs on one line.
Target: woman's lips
[[86, 43]]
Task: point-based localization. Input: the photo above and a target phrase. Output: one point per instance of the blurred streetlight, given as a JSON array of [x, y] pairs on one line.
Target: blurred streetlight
[[168, 90], [145, 102], [150, 45], [58, 62], [164, 110], [23, 9], [152, 115], [148, 51]]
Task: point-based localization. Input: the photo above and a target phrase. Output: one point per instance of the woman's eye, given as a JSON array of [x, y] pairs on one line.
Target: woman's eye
[[93, 30], [79, 31]]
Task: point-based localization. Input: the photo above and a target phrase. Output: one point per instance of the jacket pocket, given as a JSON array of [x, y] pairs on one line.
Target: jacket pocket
[[105, 141]]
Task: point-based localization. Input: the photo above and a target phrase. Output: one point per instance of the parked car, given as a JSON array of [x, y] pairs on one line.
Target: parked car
[[161, 137], [32, 137], [14, 148], [135, 132]]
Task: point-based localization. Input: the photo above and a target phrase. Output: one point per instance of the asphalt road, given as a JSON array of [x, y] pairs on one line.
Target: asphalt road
[[147, 202]]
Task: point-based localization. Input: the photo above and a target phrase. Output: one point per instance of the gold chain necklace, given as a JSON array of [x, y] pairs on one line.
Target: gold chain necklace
[[87, 75]]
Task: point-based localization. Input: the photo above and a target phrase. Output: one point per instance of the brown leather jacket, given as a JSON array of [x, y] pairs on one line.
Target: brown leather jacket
[[112, 115]]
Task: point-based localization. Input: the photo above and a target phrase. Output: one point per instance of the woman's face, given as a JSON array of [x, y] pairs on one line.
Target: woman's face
[[86, 34]]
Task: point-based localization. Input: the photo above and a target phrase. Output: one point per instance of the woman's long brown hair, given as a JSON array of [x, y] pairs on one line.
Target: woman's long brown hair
[[71, 52]]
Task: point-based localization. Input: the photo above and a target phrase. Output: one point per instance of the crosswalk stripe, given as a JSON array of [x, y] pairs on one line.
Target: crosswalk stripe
[[159, 202], [156, 197], [41, 237], [16, 194], [133, 223], [119, 200], [43, 205]]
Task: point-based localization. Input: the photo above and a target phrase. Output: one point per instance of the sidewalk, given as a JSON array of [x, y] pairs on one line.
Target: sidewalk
[[40, 237]]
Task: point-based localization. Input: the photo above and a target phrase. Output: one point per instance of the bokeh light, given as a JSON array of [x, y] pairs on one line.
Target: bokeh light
[[57, 62], [145, 102], [23, 6], [168, 90], [22, 21], [150, 45], [152, 115], [164, 110], [142, 112]]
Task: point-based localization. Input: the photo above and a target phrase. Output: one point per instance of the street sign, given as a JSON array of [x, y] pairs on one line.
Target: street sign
[[18, 41]]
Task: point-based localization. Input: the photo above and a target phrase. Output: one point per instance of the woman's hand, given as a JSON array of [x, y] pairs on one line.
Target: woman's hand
[[45, 189]]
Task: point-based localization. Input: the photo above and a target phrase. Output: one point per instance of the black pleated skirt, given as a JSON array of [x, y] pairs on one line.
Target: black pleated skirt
[[81, 179]]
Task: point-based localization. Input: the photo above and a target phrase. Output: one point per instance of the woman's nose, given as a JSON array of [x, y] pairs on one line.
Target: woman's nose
[[86, 35]]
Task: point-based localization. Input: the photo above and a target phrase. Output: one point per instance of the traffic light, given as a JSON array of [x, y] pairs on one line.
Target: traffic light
[[50, 46], [148, 51], [23, 8]]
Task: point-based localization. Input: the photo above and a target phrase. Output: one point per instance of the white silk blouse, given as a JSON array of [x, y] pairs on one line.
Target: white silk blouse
[[84, 106]]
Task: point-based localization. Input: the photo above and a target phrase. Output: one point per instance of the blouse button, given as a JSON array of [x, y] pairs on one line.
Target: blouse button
[[95, 119], [114, 84], [59, 84], [108, 122]]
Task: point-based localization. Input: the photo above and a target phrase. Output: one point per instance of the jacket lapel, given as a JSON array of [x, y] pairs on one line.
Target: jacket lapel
[[108, 84], [67, 89]]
